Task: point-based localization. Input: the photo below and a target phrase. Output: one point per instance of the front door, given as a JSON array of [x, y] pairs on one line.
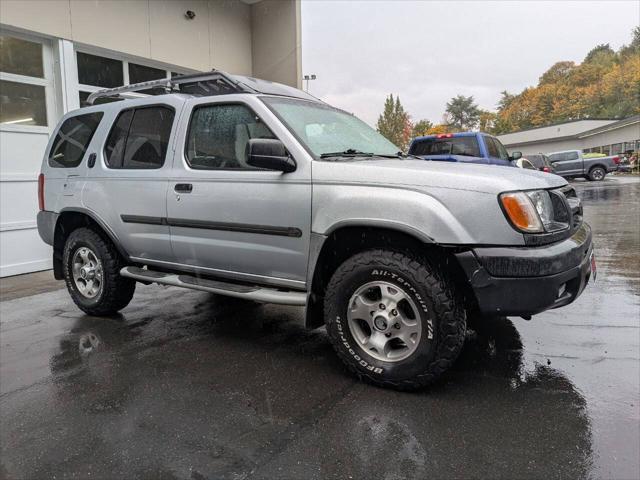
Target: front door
[[227, 218]]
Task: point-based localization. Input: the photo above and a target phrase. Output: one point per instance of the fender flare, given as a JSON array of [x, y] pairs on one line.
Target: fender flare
[[101, 223]]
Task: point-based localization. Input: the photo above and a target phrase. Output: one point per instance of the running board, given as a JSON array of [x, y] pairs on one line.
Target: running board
[[248, 292]]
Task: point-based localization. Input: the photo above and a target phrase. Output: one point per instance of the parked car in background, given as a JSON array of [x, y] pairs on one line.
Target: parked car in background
[[524, 163], [541, 162], [572, 163], [469, 147]]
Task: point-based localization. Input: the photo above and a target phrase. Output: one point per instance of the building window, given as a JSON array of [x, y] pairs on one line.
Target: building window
[[616, 148], [23, 100], [97, 72], [21, 57]]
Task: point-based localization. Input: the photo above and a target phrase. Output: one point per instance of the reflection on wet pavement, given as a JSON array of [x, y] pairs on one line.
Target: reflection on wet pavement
[[188, 385]]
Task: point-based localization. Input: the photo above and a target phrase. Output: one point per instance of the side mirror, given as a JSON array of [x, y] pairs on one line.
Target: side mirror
[[516, 155], [269, 154]]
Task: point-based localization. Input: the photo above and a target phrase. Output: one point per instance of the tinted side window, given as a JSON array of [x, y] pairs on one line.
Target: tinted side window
[[140, 138], [536, 160], [502, 152], [556, 157], [219, 134], [72, 140], [571, 155], [492, 150]]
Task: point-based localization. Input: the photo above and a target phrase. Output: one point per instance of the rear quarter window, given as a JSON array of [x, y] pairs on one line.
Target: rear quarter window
[[72, 140]]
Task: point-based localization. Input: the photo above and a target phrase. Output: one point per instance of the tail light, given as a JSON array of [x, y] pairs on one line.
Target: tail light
[[41, 192], [616, 160], [445, 135], [546, 169]]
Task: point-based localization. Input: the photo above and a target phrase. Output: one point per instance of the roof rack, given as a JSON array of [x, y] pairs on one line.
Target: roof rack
[[215, 82]]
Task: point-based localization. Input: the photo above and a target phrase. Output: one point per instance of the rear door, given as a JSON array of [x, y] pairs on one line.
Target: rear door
[[227, 218], [127, 186]]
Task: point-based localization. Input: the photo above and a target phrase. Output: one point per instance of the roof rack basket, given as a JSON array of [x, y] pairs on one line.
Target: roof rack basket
[[215, 82]]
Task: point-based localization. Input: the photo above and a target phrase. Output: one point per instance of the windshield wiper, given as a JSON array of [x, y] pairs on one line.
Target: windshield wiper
[[350, 152]]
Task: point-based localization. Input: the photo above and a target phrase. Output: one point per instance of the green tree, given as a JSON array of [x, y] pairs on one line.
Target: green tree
[[599, 51], [394, 122], [462, 113], [487, 121], [558, 72], [421, 127]]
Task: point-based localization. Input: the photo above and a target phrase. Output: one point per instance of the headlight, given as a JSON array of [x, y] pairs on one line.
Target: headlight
[[542, 203], [519, 209]]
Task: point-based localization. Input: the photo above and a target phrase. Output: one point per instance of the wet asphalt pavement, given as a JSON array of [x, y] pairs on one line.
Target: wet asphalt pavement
[[186, 385]]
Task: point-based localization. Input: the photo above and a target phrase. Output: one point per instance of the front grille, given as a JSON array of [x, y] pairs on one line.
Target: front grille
[[575, 206]]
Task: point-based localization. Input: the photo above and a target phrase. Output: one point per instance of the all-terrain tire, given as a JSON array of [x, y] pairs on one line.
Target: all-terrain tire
[[597, 174], [116, 291], [442, 318]]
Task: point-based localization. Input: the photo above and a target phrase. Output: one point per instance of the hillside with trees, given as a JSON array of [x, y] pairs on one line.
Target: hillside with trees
[[605, 85]]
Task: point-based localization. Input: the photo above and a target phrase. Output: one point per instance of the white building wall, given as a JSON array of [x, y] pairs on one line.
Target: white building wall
[[156, 30]]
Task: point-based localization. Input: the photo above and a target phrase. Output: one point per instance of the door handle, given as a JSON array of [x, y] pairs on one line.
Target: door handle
[[183, 188], [92, 160]]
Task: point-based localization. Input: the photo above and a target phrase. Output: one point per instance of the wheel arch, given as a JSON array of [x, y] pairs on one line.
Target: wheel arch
[[329, 251], [71, 219], [596, 166]]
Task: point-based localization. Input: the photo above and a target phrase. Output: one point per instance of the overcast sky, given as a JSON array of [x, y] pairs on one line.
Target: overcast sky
[[428, 51]]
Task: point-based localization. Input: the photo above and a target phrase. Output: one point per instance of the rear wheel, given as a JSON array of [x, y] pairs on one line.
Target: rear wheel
[[597, 174], [92, 274], [393, 319]]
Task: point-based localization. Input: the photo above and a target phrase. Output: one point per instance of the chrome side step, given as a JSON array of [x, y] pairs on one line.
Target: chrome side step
[[249, 292]]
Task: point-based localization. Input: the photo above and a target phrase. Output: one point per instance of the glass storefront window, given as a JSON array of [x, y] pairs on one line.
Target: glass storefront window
[[21, 57], [99, 71], [22, 104]]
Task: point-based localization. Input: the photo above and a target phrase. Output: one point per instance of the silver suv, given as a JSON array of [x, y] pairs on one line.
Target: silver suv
[[256, 190]]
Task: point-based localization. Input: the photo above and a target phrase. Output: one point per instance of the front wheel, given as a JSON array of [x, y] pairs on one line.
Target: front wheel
[[92, 274], [597, 174], [394, 320]]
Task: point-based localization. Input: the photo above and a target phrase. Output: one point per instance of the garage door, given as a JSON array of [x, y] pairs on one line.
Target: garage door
[[27, 116]]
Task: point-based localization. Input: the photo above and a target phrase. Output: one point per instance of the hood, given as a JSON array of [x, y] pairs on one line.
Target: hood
[[492, 179]]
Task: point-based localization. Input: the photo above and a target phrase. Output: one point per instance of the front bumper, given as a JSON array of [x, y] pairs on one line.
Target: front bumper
[[521, 281]]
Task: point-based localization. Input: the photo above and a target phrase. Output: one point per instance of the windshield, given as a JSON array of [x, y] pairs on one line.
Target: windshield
[[326, 130], [467, 146]]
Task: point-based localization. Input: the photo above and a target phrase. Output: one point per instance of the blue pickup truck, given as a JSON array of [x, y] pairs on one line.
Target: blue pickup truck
[[470, 147]]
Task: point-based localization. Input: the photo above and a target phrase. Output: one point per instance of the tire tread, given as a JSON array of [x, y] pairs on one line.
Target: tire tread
[[446, 302], [117, 291]]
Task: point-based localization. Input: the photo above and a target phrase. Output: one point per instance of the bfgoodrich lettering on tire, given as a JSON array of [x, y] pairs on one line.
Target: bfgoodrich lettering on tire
[[393, 319]]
